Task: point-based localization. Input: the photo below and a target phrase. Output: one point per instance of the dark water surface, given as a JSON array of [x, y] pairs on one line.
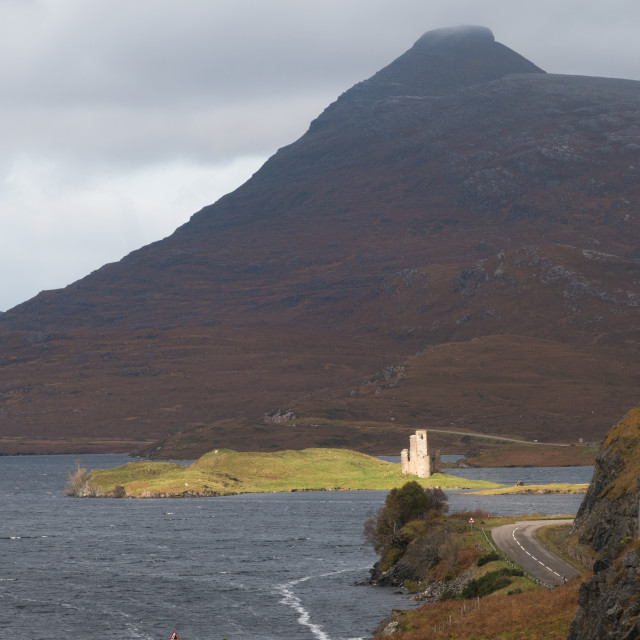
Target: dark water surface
[[260, 566]]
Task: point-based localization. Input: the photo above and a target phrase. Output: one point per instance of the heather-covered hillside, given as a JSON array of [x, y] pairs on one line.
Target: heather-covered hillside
[[453, 243]]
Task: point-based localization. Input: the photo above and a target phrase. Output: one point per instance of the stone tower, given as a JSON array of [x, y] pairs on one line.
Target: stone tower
[[417, 460]]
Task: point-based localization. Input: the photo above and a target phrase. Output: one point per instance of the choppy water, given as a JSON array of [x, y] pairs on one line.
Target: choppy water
[[261, 566]]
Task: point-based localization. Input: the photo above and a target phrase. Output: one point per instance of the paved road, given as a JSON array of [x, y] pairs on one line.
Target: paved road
[[482, 435], [518, 541]]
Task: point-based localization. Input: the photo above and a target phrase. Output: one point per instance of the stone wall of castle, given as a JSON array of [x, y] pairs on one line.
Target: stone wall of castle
[[417, 460]]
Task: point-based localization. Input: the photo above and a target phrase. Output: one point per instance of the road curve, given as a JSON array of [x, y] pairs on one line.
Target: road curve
[[518, 541]]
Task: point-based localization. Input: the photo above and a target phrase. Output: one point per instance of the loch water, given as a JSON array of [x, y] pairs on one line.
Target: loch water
[[249, 567]]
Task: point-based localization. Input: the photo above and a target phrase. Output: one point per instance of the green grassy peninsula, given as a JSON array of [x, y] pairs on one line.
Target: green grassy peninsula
[[227, 472]]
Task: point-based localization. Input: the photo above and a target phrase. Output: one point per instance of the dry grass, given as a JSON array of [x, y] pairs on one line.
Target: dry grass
[[624, 437], [535, 615], [530, 455], [534, 488], [557, 539]]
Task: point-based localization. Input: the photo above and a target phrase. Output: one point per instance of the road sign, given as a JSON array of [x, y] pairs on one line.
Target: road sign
[[471, 521], [174, 636]]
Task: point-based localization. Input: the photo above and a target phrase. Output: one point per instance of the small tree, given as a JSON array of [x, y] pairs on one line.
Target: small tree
[[384, 529]]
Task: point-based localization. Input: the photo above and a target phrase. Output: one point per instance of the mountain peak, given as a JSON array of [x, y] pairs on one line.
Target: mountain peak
[[456, 35], [446, 60]]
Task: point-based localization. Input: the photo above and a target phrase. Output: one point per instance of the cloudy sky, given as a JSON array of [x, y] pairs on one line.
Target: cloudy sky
[[121, 118]]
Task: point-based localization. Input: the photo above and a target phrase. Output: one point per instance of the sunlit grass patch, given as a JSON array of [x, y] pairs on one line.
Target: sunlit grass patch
[[533, 488], [225, 472]]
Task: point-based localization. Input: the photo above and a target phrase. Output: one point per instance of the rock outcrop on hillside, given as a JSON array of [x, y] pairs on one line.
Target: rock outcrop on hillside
[[608, 520]]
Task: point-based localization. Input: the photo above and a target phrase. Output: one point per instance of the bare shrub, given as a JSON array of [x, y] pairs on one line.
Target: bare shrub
[[449, 553], [119, 491], [76, 480]]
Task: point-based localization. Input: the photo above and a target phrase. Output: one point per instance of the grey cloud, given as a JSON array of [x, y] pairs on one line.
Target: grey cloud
[[149, 53], [113, 89], [111, 137], [95, 74]]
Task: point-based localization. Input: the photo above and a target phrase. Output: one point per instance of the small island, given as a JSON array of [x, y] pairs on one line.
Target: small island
[[224, 472]]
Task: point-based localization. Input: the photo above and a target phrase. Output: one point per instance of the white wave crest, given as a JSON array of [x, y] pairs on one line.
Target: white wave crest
[[304, 618]]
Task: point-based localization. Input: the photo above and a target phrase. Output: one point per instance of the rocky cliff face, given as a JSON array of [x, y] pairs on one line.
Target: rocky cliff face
[[608, 520]]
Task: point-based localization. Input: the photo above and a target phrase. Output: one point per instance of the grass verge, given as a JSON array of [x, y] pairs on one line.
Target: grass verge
[[556, 539], [542, 614]]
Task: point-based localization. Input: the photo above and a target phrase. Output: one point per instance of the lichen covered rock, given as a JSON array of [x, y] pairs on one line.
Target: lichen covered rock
[[609, 603]]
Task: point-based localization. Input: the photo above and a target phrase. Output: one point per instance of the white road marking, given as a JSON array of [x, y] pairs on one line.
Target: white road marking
[[513, 535]]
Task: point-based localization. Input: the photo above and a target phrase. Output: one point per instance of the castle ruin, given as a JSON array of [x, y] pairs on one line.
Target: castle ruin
[[417, 460]]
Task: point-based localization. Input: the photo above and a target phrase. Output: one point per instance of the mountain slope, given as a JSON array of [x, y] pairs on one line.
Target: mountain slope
[[460, 192], [246, 237]]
